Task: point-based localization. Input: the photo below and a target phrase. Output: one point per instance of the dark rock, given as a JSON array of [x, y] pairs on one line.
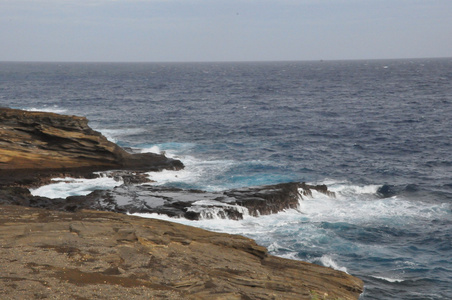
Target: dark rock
[[175, 202], [389, 190], [386, 191], [268, 199]]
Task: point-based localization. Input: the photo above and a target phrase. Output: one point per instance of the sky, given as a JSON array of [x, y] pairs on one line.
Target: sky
[[223, 30]]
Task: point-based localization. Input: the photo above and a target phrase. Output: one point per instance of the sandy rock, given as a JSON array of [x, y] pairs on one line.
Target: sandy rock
[[42, 142], [101, 255]]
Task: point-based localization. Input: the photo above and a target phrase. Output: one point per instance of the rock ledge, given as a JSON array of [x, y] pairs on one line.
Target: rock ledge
[[102, 255], [37, 143]]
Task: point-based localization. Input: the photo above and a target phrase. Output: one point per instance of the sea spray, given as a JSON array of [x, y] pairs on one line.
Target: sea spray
[[65, 187]]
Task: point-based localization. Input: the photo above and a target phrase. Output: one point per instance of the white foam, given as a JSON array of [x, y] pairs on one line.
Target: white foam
[[392, 280], [171, 147], [113, 135], [289, 255], [195, 173], [211, 209], [65, 187], [53, 109], [259, 228], [154, 149], [218, 225], [360, 204], [328, 261], [345, 188], [275, 247]]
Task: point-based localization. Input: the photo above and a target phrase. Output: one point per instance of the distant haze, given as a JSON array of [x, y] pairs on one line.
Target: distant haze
[[223, 30]]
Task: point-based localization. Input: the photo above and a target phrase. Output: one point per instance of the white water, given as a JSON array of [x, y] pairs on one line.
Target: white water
[[353, 205], [65, 187], [288, 232], [392, 280], [113, 135], [53, 109], [195, 172]]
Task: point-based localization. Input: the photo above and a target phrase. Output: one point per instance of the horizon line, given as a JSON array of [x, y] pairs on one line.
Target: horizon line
[[221, 61]]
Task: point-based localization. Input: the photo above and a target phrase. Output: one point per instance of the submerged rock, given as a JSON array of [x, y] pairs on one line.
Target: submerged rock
[[100, 255], [38, 143]]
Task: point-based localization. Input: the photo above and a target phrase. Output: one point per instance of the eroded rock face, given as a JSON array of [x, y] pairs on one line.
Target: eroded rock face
[[32, 142], [101, 255]]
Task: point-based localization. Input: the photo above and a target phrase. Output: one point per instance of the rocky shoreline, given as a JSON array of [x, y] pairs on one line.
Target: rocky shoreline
[[131, 198], [72, 248], [39, 145]]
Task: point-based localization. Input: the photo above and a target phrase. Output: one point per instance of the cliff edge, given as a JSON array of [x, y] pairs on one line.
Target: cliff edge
[[43, 142], [103, 255]]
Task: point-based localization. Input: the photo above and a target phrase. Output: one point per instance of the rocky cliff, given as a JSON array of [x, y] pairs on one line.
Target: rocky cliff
[[47, 254], [42, 142]]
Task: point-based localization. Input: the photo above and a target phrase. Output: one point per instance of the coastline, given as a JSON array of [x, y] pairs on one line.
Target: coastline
[[205, 286]]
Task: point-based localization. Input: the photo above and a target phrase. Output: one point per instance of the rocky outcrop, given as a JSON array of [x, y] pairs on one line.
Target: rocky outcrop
[[175, 202], [41, 143], [195, 204], [47, 254], [66, 252]]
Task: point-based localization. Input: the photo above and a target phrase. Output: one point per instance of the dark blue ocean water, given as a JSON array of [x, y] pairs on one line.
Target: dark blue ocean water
[[354, 125]]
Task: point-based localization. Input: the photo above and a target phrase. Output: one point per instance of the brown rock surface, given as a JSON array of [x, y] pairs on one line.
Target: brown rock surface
[[42, 142], [100, 255]]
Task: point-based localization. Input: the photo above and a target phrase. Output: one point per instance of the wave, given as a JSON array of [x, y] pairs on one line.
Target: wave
[[114, 135], [197, 174], [361, 204], [210, 209], [172, 148], [53, 109], [392, 280], [328, 261], [65, 187], [249, 226]]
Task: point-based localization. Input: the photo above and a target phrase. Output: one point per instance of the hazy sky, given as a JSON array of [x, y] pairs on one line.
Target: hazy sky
[[223, 30]]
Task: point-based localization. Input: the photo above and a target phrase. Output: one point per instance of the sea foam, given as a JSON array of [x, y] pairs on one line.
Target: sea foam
[[65, 187], [392, 280], [53, 109], [197, 173]]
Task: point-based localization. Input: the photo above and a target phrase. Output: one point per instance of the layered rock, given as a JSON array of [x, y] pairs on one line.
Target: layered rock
[[41, 142], [100, 255]]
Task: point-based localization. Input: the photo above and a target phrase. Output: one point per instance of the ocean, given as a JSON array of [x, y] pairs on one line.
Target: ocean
[[376, 132]]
